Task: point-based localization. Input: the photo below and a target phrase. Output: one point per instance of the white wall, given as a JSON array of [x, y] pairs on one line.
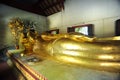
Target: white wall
[[101, 13], [6, 13]]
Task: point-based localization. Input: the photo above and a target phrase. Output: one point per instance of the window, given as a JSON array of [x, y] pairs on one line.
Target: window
[[55, 31], [117, 27], [86, 29]]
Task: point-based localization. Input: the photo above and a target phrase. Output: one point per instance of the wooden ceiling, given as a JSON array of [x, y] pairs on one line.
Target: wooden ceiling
[[41, 7]]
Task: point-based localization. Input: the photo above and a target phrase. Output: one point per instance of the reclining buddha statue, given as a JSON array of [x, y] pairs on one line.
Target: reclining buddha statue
[[78, 49], [69, 48]]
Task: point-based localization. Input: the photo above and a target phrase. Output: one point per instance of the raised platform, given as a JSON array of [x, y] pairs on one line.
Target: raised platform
[[34, 68]]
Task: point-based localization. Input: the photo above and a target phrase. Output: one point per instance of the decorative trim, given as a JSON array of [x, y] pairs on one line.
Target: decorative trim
[[29, 73]]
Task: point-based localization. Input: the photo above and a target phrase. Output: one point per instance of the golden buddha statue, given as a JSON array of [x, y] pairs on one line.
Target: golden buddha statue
[[78, 49], [71, 48]]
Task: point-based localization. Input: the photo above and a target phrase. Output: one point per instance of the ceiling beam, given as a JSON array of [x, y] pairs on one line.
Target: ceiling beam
[[41, 7], [26, 7]]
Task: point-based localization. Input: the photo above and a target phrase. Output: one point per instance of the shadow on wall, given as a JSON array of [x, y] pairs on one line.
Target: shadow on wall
[[119, 1], [3, 32]]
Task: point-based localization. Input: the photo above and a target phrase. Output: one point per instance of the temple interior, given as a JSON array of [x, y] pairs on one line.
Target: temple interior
[[59, 39]]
